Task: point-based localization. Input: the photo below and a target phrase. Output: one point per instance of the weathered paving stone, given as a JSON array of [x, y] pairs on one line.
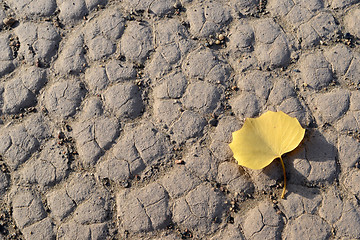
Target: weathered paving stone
[[272, 48], [71, 11], [6, 57], [332, 206], [207, 18], [4, 182], [262, 222], [202, 97], [137, 148], [60, 204], [157, 7], [241, 39], [300, 200], [189, 125], [230, 232], [20, 92], [340, 58], [320, 27], [71, 57], [94, 131], [17, 145], [338, 4], [202, 162], [49, 167], [307, 226], [338, 100], [198, 209], [211, 69], [63, 97], [38, 42], [349, 150], [43, 229], [315, 71], [179, 182], [74, 230], [348, 224], [315, 160], [136, 42], [123, 100], [235, 179], [171, 86], [27, 208], [266, 178], [33, 8], [350, 179], [143, 210]]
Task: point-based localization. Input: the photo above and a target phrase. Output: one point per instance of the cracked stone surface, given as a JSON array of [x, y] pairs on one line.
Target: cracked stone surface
[[116, 118]]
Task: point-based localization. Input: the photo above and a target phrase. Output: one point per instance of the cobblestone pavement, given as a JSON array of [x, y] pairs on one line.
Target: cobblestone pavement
[[116, 118]]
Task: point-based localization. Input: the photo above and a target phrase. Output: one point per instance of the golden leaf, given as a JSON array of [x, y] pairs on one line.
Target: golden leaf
[[263, 139]]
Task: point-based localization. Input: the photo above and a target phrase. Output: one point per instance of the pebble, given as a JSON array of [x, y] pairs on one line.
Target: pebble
[[221, 37], [9, 21]]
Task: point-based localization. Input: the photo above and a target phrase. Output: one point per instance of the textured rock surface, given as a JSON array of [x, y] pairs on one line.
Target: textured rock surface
[[115, 118]]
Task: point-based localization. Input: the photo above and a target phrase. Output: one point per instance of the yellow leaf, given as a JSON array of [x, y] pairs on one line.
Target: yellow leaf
[[263, 139]]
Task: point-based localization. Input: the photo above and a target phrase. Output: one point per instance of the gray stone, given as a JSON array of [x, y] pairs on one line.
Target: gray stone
[[315, 71], [245, 105], [300, 200], [80, 187], [280, 8], [245, 6], [351, 178], [172, 86], [123, 100], [119, 72], [202, 163], [332, 105], [207, 18], [231, 175], [307, 226], [17, 96], [110, 24], [226, 126], [331, 206], [167, 111], [60, 204], [27, 208], [349, 151], [6, 56], [202, 97], [169, 31], [50, 167], [37, 41], [282, 90], [230, 232], [74, 230], [43, 229], [71, 11], [338, 4], [71, 57], [241, 38], [17, 146], [179, 182], [36, 126], [210, 68], [198, 209], [258, 82], [96, 79], [4, 183], [322, 26], [352, 75], [33, 8], [114, 169], [63, 97], [93, 210], [340, 58], [136, 42], [262, 222], [189, 125], [157, 7], [143, 210], [348, 225], [100, 47], [94, 131]]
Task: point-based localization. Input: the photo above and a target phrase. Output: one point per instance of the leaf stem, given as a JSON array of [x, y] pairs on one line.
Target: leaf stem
[[284, 172]]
